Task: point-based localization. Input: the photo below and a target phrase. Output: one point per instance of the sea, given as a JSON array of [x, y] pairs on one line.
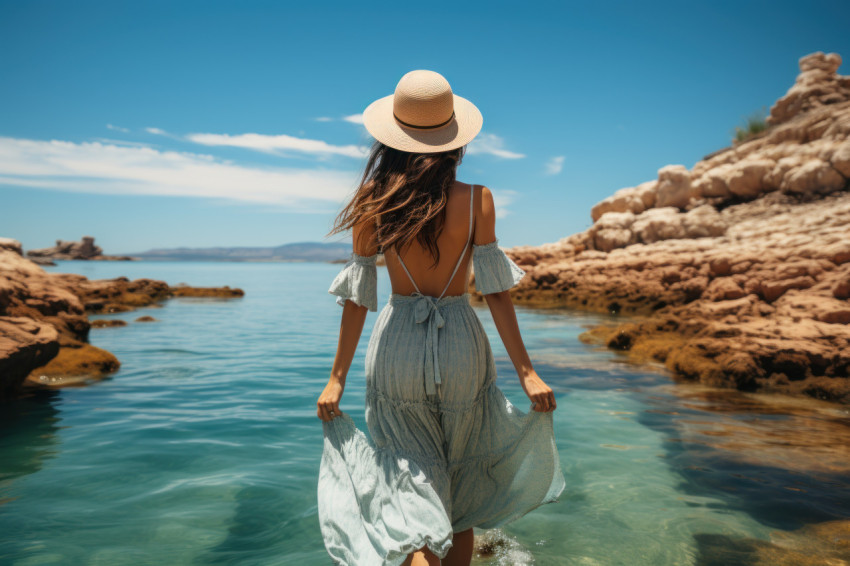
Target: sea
[[204, 448]]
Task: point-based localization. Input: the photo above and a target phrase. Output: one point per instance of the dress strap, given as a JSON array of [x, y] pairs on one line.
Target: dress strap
[[409, 276], [462, 252]]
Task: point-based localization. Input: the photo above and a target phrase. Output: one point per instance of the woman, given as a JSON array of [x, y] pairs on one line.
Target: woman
[[449, 452]]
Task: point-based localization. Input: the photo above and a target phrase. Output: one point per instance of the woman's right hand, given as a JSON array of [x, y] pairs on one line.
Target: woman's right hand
[[328, 403], [540, 394]]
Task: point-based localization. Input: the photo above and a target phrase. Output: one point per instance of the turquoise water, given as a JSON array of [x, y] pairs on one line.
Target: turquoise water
[[204, 447]]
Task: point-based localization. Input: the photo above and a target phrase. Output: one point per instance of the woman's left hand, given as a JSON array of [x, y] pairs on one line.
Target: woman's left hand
[[540, 394], [328, 403]]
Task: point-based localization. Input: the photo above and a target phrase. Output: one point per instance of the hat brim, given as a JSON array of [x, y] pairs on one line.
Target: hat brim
[[464, 126]]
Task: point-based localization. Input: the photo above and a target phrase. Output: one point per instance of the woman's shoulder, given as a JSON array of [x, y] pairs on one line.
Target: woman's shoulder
[[481, 192], [484, 212]]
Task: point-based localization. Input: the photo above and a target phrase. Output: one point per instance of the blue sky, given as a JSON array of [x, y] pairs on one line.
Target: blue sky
[[182, 123]]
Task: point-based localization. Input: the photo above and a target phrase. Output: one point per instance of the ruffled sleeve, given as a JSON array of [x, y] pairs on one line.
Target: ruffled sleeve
[[494, 270], [358, 281]]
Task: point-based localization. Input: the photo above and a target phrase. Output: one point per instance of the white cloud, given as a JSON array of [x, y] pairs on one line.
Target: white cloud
[[354, 118], [156, 131], [111, 169], [117, 128], [493, 145], [122, 142], [279, 144], [555, 165]]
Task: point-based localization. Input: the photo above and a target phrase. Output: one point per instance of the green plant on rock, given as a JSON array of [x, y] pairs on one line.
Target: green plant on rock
[[754, 124]]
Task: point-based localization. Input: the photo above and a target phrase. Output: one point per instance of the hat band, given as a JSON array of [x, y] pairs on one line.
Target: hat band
[[441, 124]]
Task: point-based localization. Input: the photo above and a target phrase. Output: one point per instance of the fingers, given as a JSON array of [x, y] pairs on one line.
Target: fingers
[[545, 401], [328, 410], [541, 403], [323, 413]]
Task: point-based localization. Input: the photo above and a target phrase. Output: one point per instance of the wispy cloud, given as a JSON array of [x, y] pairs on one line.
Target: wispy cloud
[[279, 145], [354, 118], [117, 128], [555, 165], [156, 131], [122, 142], [491, 144], [113, 169]]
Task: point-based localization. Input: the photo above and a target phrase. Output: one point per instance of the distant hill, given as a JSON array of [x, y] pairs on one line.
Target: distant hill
[[299, 251]]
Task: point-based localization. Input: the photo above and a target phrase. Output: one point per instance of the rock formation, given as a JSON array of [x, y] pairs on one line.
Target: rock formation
[[44, 325], [84, 249], [738, 271]]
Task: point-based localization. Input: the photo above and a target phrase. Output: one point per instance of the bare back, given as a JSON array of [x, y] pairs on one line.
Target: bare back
[[451, 243]]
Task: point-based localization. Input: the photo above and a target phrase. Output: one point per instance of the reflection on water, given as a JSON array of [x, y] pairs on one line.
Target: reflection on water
[[27, 436], [204, 448]]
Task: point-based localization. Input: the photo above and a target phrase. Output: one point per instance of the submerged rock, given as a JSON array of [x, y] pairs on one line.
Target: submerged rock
[[818, 544]]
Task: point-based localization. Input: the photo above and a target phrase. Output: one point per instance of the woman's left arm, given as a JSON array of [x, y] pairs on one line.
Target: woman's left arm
[[350, 329]]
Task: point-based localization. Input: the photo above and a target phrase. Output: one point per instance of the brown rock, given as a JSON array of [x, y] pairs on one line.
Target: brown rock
[[630, 199], [817, 85], [841, 159], [746, 179], [815, 176], [775, 289], [77, 363], [43, 324], [723, 289], [817, 544], [107, 322], [714, 183], [189, 291], [674, 187], [11, 245], [24, 344], [613, 231], [754, 308], [82, 250], [657, 224], [841, 289]]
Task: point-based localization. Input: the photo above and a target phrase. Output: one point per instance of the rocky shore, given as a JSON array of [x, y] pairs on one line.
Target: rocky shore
[[44, 323], [735, 273]]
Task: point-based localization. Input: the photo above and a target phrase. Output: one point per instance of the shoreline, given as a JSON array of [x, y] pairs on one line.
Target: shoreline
[[739, 267], [44, 327]]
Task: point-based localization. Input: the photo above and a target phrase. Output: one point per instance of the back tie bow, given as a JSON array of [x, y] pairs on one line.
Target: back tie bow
[[426, 310]]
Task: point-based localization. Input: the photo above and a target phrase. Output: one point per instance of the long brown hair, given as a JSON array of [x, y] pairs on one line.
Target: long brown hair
[[406, 194]]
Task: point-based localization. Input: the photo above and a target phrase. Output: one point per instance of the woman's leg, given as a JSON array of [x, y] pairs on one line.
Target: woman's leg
[[460, 554], [422, 557]]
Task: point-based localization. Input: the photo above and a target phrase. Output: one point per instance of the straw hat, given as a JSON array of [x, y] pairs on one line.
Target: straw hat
[[423, 116]]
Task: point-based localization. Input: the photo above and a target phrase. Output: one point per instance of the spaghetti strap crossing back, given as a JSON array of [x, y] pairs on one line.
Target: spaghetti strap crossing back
[[446, 450], [462, 252]]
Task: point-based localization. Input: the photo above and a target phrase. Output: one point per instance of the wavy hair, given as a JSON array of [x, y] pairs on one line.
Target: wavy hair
[[406, 195]]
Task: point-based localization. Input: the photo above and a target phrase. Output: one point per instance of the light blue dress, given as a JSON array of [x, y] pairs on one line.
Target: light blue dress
[[448, 451]]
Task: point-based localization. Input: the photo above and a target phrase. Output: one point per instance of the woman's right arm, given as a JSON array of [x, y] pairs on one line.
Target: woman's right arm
[[504, 316], [350, 330]]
